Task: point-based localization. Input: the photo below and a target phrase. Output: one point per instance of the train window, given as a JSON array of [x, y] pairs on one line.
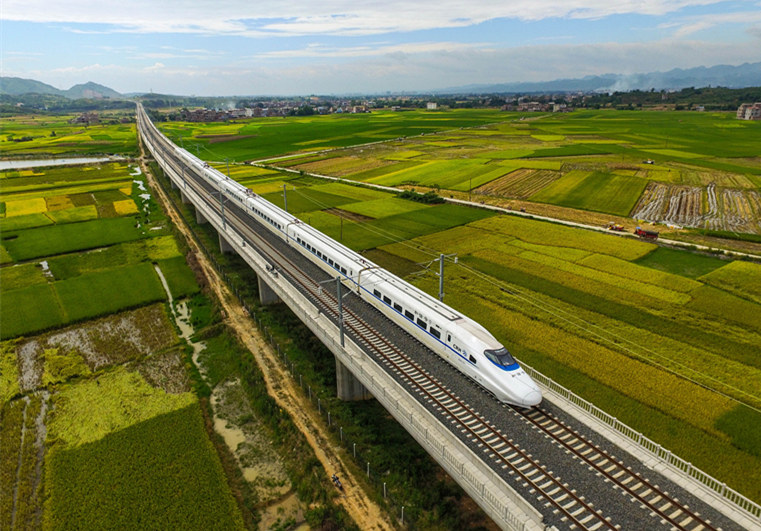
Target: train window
[[386, 299], [409, 315], [330, 261], [319, 254], [449, 338], [398, 307], [500, 357], [343, 270], [435, 333], [377, 293], [422, 324], [472, 359]]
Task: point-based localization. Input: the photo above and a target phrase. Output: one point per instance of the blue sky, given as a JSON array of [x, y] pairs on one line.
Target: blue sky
[[290, 47]]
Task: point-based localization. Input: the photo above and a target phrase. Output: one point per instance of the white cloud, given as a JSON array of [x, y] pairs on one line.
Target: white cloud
[[305, 17], [370, 50], [693, 24], [431, 67]]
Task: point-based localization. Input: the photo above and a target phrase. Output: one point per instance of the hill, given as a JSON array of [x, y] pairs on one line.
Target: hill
[[16, 86], [745, 75], [91, 90]]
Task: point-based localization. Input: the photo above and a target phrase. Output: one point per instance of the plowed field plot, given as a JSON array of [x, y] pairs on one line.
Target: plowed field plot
[[341, 166], [520, 184], [711, 207]]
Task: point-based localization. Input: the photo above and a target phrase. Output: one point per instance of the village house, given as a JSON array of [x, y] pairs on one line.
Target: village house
[[749, 111]]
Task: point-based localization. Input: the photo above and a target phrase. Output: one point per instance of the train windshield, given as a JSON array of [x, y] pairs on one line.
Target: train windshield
[[500, 357]]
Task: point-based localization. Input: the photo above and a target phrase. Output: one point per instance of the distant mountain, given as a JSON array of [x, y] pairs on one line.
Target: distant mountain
[[91, 90], [16, 86], [745, 75]]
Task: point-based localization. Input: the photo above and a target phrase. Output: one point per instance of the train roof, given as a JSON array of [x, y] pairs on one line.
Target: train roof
[[419, 295]]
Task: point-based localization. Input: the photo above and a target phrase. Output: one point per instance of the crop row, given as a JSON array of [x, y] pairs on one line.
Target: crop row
[[521, 184], [723, 209]]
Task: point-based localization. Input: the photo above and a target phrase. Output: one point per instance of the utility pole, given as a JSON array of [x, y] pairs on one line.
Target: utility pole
[[441, 277], [441, 272], [285, 200], [227, 163]]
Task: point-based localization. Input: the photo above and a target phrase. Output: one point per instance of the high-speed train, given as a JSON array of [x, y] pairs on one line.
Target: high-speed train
[[459, 340]]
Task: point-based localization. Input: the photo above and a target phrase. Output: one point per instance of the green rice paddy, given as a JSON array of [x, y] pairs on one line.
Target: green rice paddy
[[55, 135], [600, 154]]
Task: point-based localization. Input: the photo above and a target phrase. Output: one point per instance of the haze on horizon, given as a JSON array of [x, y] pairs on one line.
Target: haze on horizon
[[294, 47]]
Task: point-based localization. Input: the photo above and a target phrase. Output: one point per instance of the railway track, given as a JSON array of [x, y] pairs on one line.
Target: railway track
[[500, 450], [660, 504]]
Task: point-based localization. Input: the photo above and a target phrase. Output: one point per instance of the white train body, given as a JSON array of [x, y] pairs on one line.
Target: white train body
[[459, 340]]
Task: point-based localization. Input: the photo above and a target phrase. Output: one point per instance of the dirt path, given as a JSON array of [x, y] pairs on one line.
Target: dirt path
[[280, 386]]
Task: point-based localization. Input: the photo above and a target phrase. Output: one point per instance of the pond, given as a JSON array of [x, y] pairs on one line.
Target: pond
[[30, 163]]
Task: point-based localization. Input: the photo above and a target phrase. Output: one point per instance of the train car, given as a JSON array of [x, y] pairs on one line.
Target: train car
[[459, 340]]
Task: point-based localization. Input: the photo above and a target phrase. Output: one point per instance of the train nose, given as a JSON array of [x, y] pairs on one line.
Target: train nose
[[532, 398]]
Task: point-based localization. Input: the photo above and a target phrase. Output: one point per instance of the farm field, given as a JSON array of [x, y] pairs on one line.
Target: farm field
[[46, 135], [69, 236], [605, 308], [105, 392], [98, 415], [672, 351], [590, 160], [260, 138], [334, 209], [709, 207]]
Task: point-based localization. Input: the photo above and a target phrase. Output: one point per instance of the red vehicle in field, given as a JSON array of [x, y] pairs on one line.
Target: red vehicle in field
[[615, 226], [646, 234]]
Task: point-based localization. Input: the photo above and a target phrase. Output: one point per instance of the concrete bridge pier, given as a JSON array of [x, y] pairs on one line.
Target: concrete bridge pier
[[185, 200], [266, 295], [200, 218], [225, 246], [348, 387]]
